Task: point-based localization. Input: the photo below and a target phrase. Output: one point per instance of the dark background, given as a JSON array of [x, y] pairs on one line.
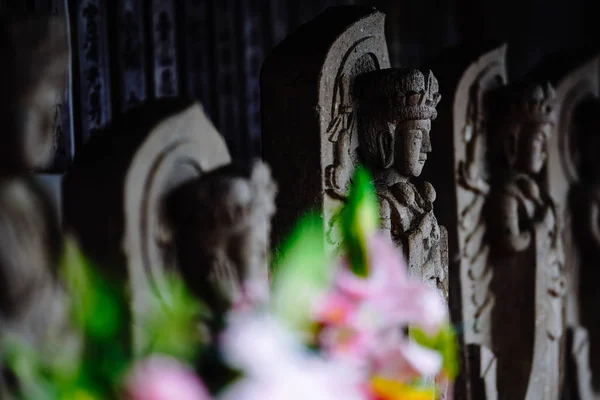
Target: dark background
[[125, 51]]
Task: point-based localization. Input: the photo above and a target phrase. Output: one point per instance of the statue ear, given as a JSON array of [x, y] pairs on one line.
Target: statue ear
[[386, 149]]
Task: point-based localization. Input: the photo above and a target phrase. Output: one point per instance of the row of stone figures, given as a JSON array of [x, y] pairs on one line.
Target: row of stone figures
[[153, 191], [510, 246], [515, 232]]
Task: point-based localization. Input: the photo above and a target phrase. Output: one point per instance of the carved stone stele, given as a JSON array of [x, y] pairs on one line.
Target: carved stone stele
[[462, 175], [309, 124], [574, 177], [330, 101], [507, 280], [114, 195]]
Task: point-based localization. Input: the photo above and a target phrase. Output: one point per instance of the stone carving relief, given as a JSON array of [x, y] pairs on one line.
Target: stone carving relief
[[573, 178], [347, 106]]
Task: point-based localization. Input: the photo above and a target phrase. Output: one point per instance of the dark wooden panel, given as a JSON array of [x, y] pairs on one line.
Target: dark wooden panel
[[280, 21], [197, 53], [131, 54], [227, 67], [166, 77], [253, 39], [94, 85]]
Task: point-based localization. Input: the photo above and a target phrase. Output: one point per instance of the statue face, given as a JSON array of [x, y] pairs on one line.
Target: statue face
[[412, 145], [532, 155]]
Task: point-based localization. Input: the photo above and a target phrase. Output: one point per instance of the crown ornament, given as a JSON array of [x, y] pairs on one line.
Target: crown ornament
[[406, 94], [537, 104]]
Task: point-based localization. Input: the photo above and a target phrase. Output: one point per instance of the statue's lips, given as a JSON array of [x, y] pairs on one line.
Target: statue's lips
[[423, 157]]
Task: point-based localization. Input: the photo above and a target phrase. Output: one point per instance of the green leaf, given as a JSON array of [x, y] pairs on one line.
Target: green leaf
[[27, 366], [359, 220], [301, 273], [100, 308], [101, 313], [445, 343], [173, 329]]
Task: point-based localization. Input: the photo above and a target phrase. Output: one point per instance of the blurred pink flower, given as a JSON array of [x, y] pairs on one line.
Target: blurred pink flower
[[277, 367], [163, 378], [402, 360], [363, 317]]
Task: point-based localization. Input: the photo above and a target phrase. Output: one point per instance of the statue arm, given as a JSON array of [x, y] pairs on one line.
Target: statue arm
[[513, 238], [386, 217]]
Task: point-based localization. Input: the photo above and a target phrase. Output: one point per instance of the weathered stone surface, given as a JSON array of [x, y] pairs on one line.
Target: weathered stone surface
[[309, 124]]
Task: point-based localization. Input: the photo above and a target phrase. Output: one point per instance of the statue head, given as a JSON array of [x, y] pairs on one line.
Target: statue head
[[394, 114], [531, 123]]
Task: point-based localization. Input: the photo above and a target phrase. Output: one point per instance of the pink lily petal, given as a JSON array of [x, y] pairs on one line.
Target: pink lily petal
[[343, 342], [384, 257], [162, 378], [334, 309], [416, 305], [408, 360], [351, 285]]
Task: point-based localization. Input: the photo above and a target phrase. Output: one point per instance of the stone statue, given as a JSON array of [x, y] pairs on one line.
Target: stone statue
[[507, 269], [166, 199], [330, 88], [395, 108], [221, 223], [528, 253]]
